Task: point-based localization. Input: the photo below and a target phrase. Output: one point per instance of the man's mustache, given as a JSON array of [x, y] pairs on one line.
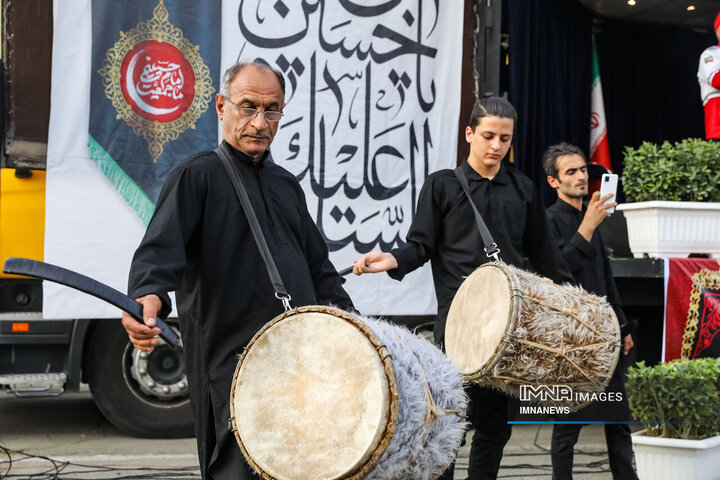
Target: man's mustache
[[256, 133]]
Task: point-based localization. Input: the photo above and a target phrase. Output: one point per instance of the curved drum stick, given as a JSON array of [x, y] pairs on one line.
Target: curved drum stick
[[53, 273], [347, 271]]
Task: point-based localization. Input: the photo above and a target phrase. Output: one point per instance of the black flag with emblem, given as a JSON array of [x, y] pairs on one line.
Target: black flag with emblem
[[155, 69]]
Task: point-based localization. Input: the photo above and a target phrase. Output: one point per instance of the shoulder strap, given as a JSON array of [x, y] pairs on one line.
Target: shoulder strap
[[277, 283], [491, 248]]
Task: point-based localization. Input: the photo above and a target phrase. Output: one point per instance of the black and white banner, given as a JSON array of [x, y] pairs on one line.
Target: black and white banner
[[373, 98]]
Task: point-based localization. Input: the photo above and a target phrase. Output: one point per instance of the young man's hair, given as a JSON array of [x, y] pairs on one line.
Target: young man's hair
[[491, 106], [558, 150], [233, 71]]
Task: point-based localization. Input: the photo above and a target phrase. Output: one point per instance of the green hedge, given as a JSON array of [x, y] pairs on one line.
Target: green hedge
[[685, 171], [682, 396]]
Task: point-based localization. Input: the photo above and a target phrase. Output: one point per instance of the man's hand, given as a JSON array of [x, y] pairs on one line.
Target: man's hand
[[596, 212], [144, 337], [374, 262], [627, 344]]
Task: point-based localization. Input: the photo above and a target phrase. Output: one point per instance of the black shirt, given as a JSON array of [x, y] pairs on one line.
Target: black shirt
[[444, 231], [587, 260], [199, 244]]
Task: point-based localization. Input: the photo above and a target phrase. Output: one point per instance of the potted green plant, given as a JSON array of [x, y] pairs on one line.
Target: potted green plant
[[679, 404], [673, 192]]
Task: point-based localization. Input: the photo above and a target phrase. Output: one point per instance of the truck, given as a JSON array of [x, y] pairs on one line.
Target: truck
[[143, 394]]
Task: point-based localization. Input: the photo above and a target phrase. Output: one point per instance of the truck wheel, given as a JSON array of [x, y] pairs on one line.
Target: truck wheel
[[425, 331], [144, 395]]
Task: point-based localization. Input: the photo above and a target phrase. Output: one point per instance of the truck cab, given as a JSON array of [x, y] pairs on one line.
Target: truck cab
[[143, 394]]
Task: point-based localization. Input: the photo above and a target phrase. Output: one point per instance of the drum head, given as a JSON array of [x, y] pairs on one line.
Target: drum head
[[480, 314], [310, 397]]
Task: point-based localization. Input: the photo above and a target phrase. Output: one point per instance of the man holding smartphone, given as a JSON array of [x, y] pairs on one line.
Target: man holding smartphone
[[574, 225]]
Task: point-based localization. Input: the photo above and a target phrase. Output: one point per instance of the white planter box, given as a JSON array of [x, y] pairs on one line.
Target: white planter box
[[673, 229], [674, 459]]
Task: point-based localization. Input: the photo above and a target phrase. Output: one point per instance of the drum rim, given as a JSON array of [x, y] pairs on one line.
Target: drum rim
[[361, 469], [513, 313]]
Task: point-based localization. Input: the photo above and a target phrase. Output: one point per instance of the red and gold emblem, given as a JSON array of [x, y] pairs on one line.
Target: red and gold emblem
[[703, 322], [157, 81]]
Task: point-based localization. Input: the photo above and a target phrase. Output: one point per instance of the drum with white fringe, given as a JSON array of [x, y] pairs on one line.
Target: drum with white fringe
[[507, 328], [322, 394]]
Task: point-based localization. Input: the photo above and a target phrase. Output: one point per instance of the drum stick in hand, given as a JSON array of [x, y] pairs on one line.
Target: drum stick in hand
[[347, 271]]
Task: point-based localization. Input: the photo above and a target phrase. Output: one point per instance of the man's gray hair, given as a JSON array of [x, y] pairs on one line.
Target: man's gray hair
[[554, 152], [232, 72]]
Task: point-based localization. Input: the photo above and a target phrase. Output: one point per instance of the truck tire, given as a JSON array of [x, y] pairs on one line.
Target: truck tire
[[425, 331], [139, 408]]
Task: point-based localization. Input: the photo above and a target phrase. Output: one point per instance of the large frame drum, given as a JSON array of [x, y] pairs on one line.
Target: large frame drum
[[507, 328], [321, 394]]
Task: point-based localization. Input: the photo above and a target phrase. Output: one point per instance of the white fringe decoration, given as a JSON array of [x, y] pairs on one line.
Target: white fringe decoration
[[549, 327], [418, 451]]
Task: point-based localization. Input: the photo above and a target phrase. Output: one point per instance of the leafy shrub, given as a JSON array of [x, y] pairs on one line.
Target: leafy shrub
[[686, 171], [682, 396]]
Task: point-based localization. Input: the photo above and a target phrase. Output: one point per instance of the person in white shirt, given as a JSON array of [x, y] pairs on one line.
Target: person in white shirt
[[709, 79]]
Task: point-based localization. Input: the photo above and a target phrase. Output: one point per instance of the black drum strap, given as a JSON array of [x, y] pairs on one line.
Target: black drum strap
[[277, 283], [491, 248]]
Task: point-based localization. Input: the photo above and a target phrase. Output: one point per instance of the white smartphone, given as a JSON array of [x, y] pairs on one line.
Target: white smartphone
[[608, 184]]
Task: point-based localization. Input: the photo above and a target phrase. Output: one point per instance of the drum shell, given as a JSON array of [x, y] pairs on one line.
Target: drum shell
[[389, 456], [554, 335]]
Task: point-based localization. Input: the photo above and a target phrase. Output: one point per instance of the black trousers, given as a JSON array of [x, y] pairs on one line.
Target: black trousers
[[617, 438], [489, 418]]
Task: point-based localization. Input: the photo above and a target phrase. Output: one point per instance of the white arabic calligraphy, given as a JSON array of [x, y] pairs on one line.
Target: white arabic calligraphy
[[161, 78]]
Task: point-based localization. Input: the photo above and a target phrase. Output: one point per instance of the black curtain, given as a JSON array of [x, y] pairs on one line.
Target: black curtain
[[550, 80], [649, 79]]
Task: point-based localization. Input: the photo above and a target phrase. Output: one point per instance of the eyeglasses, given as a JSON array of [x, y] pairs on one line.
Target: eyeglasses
[[247, 112]]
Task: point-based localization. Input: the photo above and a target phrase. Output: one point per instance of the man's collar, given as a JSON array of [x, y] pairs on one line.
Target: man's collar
[[471, 174], [567, 208], [245, 158]]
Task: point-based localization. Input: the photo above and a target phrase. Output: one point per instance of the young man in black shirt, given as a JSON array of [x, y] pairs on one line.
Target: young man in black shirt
[[444, 232], [574, 226]]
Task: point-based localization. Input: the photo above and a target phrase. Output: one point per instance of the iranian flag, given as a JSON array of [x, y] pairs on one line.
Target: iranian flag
[[599, 150]]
